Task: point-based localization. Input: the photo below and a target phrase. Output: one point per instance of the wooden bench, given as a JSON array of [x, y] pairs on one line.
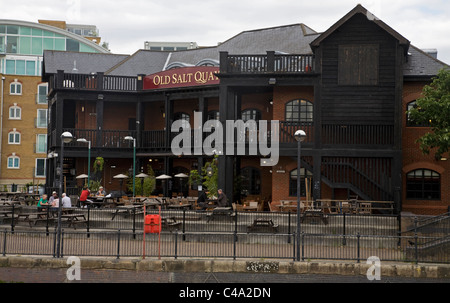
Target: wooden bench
[[263, 225], [220, 211], [313, 215], [170, 223]]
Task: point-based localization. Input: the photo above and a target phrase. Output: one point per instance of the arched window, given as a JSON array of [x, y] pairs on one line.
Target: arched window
[[15, 112], [423, 184], [13, 161], [299, 111], [14, 137], [15, 88], [250, 181], [410, 123], [293, 181]]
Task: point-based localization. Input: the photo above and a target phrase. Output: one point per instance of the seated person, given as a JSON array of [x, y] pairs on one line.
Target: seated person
[[42, 202], [202, 200], [101, 192], [84, 201]]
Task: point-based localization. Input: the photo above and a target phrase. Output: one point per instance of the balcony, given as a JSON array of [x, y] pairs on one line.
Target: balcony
[[269, 63], [94, 82], [341, 136]]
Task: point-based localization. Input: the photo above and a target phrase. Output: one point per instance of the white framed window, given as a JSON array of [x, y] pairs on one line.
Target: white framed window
[[41, 121], [13, 161], [42, 90], [15, 88], [41, 143], [40, 167], [14, 137], [15, 112]]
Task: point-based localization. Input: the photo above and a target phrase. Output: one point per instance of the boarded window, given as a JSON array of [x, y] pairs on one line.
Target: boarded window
[[358, 64]]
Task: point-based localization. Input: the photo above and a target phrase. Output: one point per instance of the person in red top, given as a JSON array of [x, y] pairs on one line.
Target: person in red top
[[84, 201]]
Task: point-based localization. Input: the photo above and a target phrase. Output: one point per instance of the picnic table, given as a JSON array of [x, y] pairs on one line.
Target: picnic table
[[128, 210], [261, 224], [170, 223], [313, 215], [74, 219], [219, 211]]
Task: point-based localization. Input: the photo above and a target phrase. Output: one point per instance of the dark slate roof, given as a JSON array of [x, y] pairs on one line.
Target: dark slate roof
[[422, 64], [142, 62], [85, 63], [294, 39], [288, 39]]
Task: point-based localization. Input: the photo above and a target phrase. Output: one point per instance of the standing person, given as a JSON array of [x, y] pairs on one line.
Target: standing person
[[222, 200], [84, 197], [66, 202], [42, 202]]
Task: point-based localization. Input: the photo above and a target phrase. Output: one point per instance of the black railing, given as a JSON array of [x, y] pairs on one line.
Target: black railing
[[109, 233], [269, 63]]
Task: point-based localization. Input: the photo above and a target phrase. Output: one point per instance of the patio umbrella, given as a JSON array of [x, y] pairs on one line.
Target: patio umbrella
[[164, 178], [120, 177], [181, 176], [142, 176]]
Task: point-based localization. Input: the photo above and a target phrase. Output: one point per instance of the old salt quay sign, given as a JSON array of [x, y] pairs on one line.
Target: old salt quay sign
[[183, 77]]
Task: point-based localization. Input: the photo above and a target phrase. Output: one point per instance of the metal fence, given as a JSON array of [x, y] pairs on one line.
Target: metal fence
[[110, 233]]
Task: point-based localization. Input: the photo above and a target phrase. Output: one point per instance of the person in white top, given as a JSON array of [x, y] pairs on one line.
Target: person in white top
[[66, 202]]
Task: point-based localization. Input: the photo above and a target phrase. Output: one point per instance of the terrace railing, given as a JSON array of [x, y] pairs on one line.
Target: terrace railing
[[268, 63]]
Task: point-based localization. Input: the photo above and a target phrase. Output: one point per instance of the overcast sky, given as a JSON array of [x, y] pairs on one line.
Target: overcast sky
[[125, 25]]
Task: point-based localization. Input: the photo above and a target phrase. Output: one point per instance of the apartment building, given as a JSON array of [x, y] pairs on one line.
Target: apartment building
[[24, 109]]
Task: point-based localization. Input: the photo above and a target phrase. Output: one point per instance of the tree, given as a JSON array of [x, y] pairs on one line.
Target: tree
[[434, 108], [208, 176]]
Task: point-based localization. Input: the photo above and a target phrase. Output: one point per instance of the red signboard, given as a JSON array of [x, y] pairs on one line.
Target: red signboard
[[183, 77]]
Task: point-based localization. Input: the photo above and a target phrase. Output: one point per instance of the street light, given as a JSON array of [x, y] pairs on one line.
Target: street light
[[134, 160], [66, 137], [300, 136], [89, 158]]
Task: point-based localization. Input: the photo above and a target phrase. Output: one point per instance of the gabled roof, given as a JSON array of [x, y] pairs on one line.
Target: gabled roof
[[359, 9], [85, 63], [421, 64]]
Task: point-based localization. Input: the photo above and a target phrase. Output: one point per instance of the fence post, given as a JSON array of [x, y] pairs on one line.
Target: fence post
[[88, 220], [184, 224], [55, 232], [12, 218], [4, 243], [61, 249], [303, 246], [344, 240], [176, 243], [118, 243], [358, 237], [134, 223], [289, 226], [47, 221]]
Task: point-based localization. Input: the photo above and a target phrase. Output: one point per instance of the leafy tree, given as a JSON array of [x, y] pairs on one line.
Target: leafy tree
[[434, 108], [208, 176]]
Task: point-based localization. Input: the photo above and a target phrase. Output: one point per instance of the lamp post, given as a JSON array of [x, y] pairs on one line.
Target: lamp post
[[66, 137], [300, 137], [89, 158], [134, 161]]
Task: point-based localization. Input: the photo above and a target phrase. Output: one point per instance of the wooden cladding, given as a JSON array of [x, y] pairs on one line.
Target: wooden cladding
[[358, 64]]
